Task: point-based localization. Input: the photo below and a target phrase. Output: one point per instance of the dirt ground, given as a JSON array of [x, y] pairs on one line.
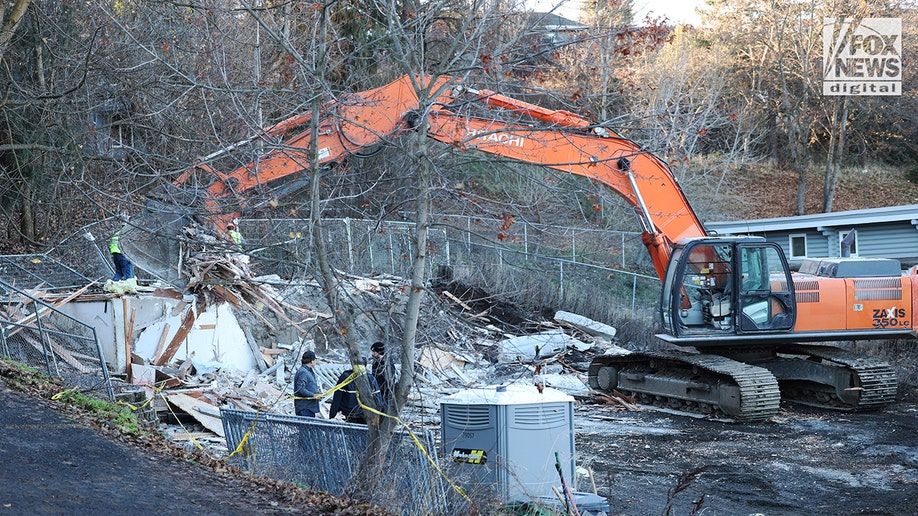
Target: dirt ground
[[803, 462]]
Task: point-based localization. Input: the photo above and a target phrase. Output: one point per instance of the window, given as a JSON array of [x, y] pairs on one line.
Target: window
[[852, 250], [764, 296], [798, 246], [122, 135]]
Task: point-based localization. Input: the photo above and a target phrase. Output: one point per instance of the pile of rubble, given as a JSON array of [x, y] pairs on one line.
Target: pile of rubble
[[234, 339], [481, 350]]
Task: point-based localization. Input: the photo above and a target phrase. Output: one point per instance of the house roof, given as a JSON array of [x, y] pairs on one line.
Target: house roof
[[819, 221], [553, 21]]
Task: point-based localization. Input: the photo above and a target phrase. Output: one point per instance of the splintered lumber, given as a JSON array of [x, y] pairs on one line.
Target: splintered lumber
[[304, 311], [227, 294], [128, 336], [272, 351], [73, 296], [187, 323], [457, 300], [258, 315], [201, 411], [260, 361], [31, 317], [162, 342], [65, 355], [167, 293], [221, 276], [617, 399], [480, 316], [241, 405]]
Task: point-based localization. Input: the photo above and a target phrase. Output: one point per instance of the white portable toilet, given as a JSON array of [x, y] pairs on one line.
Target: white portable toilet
[[505, 438]]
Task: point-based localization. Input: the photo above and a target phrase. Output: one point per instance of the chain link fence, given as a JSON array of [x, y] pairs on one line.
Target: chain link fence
[[52, 341], [588, 271], [325, 456], [532, 265], [604, 248], [285, 246], [87, 251]]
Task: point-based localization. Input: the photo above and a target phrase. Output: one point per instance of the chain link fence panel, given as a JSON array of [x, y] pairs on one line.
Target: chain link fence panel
[[534, 265], [325, 456], [285, 246], [53, 342]]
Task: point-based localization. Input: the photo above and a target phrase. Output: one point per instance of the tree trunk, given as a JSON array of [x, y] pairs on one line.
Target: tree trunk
[[830, 160], [840, 124], [799, 163], [11, 22], [419, 263], [366, 481], [27, 220], [792, 115], [801, 190]]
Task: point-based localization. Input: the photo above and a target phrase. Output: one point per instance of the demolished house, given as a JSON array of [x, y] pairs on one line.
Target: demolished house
[[231, 340]]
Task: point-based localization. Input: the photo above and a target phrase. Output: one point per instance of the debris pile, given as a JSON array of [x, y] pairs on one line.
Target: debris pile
[[38, 334], [218, 273], [481, 350], [234, 339]]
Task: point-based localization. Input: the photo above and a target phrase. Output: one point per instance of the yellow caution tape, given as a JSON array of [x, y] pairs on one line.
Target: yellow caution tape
[[63, 393], [243, 443], [420, 446], [359, 370]]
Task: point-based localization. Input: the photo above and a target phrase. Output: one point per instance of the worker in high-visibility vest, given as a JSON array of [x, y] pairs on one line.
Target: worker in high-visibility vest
[[235, 236], [124, 269]]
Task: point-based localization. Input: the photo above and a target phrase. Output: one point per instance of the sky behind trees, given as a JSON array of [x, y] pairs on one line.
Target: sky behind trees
[[676, 11]]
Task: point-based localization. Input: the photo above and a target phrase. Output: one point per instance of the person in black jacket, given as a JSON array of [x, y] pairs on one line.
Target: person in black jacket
[[384, 371], [345, 400]]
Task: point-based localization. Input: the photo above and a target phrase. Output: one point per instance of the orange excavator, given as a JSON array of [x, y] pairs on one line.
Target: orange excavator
[[754, 331]]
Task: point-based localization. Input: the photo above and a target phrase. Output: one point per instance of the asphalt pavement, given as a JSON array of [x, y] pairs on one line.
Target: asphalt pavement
[[52, 464]]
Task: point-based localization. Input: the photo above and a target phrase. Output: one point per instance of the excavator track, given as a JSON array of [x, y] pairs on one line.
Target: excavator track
[[713, 385], [857, 382]]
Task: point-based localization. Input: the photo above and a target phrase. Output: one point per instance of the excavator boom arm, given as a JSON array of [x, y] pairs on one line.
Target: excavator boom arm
[[641, 178], [556, 139]]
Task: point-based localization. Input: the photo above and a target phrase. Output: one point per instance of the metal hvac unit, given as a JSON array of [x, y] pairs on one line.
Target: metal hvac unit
[[503, 440]]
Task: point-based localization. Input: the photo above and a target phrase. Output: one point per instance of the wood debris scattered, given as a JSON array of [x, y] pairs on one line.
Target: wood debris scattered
[[217, 273], [616, 398], [485, 347]]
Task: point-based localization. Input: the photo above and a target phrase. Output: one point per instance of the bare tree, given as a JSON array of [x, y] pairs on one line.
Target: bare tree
[[692, 118], [838, 129], [48, 134], [11, 17]]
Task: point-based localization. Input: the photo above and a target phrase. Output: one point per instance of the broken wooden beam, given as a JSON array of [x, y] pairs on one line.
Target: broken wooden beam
[[188, 319]]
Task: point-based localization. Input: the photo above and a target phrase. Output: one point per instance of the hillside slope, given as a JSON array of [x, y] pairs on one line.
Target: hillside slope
[[767, 192]]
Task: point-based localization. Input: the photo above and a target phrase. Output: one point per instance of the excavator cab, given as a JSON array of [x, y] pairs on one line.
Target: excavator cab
[[732, 286]]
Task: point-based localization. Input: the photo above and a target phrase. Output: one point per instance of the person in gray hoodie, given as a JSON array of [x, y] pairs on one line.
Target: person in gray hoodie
[[305, 387]]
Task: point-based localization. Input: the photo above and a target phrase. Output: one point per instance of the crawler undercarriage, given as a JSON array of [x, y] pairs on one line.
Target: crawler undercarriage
[[747, 385]]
